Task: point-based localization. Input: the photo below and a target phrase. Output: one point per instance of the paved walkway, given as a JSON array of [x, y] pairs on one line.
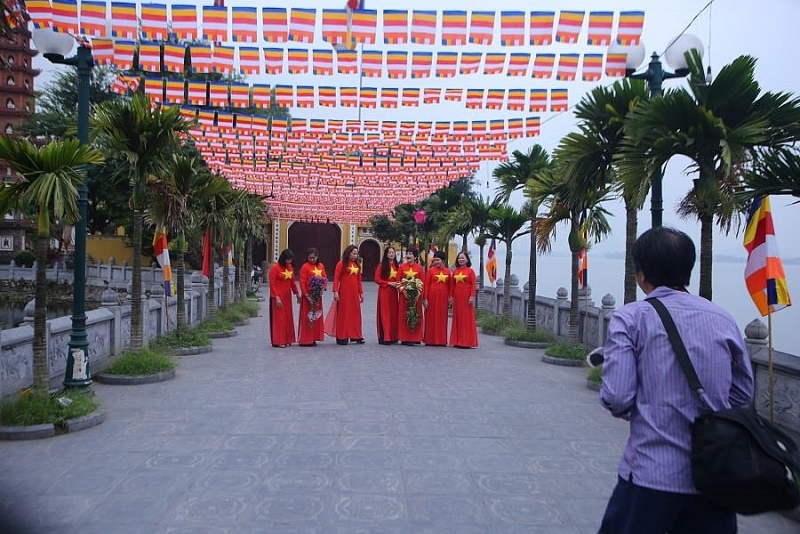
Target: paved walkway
[[332, 439]]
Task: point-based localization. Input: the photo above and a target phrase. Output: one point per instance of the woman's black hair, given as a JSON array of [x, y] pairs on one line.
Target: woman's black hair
[[414, 251], [285, 255], [469, 262], [347, 251], [387, 264]]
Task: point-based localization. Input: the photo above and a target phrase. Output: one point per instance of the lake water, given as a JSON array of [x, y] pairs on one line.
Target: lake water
[[606, 276]]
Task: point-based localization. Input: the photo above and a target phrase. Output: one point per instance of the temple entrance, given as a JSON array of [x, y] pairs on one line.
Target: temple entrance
[[325, 237], [370, 252]]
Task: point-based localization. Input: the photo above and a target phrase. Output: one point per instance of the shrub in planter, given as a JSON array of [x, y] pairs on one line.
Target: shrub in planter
[[39, 408], [520, 334], [594, 374], [181, 338], [139, 363], [568, 352], [216, 324]]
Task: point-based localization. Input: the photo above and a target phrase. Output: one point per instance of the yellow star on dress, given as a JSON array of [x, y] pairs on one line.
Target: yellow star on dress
[[317, 271], [441, 278], [459, 278], [392, 273], [287, 274], [411, 275], [353, 269]]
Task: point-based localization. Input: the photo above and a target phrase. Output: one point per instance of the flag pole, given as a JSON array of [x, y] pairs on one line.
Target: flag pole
[[770, 376]]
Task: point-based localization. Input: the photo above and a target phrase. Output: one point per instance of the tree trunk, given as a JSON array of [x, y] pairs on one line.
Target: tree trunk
[[573, 302], [226, 279], [248, 265], [464, 243], [530, 316], [706, 250], [631, 229], [507, 284], [137, 334], [479, 303], [211, 301], [41, 372], [180, 279]]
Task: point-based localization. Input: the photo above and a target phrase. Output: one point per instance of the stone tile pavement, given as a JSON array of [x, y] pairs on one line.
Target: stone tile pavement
[[332, 439]]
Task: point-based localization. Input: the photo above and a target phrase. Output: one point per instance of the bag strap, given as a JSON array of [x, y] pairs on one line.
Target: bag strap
[[679, 348]]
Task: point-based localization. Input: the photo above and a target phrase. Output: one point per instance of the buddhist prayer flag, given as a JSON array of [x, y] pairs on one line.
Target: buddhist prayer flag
[[541, 28], [215, 23], [446, 64], [93, 18], [495, 63], [223, 59], [600, 23], [154, 88], [432, 95], [512, 28], [470, 62], [150, 56], [301, 25], [124, 23], [569, 26], [764, 275], [364, 22], [240, 95], [543, 66], [481, 27], [297, 60], [175, 91], [559, 100], [65, 16], [389, 97], [103, 51], [41, 13], [306, 97], [491, 264], [327, 96], [532, 126], [423, 27], [249, 60], [518, 63], [323, 62], [495, 98], [273, 20], [616, 65], [198, 93], [347, 61], [273, 60], [630, 27], [243, 24], [123, 54], [334, 26], [154, 21], [592, 67], [174, 56], [161, 252], [397, 64], [421, 63], [372, 63], [184, 22], [567, 67], [395, 26], [516, 100], [454, 28]]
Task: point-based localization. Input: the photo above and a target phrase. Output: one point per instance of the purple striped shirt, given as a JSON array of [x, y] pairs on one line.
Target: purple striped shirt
[[643, 382]]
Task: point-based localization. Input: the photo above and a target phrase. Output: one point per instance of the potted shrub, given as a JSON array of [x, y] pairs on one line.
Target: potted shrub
[[566, 355], [142, 366], [519, 337]]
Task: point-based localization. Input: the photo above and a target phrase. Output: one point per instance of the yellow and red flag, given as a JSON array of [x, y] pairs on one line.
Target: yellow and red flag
[[491, 265], [763, 274]]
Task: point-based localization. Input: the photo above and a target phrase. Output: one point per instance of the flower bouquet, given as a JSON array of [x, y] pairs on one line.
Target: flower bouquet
[[316, 285], [412, 287]]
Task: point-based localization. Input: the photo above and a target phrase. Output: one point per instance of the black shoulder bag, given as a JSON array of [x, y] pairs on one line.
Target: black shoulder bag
[[740, 461]]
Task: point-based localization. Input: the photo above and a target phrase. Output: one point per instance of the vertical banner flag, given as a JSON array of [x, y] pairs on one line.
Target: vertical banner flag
[[207, 259], [161, 251], [491, 265], [583, 269], [763, 273]]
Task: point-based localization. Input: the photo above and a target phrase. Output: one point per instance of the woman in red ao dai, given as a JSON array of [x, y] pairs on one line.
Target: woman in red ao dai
[[349, 294], [464, 330], [281, 287], [386, 276]]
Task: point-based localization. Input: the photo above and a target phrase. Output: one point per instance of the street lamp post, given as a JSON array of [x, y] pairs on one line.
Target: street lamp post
[[54, 47], [655, 76]]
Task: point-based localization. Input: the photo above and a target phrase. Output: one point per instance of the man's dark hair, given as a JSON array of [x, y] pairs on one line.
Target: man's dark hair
[[665, 256]]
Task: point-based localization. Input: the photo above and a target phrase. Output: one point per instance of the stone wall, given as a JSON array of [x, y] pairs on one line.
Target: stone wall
[[108, 331]]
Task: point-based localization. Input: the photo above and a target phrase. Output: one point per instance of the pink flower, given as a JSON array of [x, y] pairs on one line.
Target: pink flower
[[419, 216]]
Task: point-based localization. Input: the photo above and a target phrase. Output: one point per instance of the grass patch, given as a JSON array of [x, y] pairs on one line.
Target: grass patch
[[232, 315], [181, 338], [140, 362], [520, 334], [594, 373], [500, 324], [216, 324], [39, 408], [568, 352], [250, 308]]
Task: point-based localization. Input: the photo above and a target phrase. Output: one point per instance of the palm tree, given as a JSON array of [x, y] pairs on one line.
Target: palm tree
[[215, 216], [514, 175], [775, 172], [251, 213], [718, 125], [170, 205], [590, 152], [506, 225], [145, 137], [576, 203], [48, 182]]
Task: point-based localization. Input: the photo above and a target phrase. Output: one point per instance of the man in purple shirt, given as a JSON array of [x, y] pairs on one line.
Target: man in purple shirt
[[643, 384]]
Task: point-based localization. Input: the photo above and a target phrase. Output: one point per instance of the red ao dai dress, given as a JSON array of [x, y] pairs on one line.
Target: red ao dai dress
[[347, 283], [404, 333], [464, 330], [388, 302], [437, 293], [281, 320], [309, 332]]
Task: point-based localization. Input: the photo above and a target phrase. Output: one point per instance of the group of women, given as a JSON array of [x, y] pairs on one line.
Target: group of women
[[413, 306]]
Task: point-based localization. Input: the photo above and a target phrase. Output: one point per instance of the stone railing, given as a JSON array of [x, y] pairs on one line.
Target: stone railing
[[108, 330], [97, 274], [553, 315]]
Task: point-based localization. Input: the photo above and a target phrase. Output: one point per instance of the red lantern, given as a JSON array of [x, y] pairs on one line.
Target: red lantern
[[419, 216]]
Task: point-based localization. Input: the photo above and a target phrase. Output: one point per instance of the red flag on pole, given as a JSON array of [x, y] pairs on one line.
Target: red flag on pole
[[207, 257]]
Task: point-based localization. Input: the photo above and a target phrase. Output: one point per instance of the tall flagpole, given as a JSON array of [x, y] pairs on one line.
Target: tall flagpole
[[770, 376]]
